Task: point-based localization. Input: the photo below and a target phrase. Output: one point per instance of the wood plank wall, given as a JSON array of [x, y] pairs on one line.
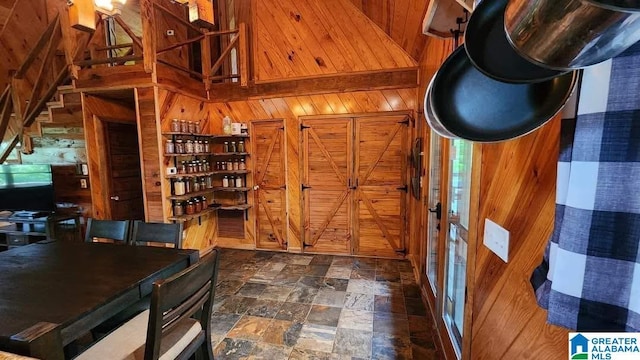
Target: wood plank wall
[[400, 19], [29, 19], [289, 109], [517, 190], [319, 37], [149, 141]]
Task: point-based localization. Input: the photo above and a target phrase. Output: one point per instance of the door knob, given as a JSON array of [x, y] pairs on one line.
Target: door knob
[[115, 198]]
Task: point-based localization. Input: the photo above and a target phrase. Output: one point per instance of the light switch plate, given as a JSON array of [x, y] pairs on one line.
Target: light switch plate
[[496, 238]]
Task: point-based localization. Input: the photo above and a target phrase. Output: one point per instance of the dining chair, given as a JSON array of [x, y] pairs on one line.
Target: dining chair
[[177, 325], [115, 230], [144, 232]]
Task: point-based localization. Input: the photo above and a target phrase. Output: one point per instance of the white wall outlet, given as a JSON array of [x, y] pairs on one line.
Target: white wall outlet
[[496, 238]]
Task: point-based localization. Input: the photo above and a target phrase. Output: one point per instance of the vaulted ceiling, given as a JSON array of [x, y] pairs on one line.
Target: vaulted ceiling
[[400, 19], [5, 9]]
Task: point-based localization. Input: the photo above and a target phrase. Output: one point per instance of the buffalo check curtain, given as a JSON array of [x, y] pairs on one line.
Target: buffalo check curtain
[[589, 279]]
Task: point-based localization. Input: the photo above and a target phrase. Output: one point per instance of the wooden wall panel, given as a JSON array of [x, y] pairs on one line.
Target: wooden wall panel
[[66, 185], [58, 145], [319, 37], [517, 191], [149, 139], [289, 109], [164, 22], [22, 31], [400, 19]]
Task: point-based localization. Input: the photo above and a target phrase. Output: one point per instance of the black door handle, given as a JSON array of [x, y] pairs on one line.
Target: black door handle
[[437, 210]]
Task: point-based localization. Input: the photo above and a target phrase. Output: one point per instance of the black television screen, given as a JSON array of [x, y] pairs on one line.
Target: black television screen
[[26, 187]]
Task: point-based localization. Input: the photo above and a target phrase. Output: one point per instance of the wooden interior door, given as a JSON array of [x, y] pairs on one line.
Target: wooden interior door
[[327, 165], [270, 177], [381, 185], [124, 177]]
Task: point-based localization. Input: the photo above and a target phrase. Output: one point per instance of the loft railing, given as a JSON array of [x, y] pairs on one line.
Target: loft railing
[[231, 65]]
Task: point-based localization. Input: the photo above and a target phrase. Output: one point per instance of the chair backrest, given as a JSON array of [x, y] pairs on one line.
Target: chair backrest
[[187, 294], [116, 230], [144, 232]]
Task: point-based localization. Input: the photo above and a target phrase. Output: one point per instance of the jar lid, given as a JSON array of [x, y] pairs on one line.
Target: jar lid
[[169, 140], [183, 120], [178, 141]]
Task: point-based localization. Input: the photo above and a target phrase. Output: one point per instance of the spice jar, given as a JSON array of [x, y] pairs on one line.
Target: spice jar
[[239, 181], [178, 187], [169, 147], [188, 147], [225, 181], [233, 147], [242, 165], [196, 185], [178, 208], [197, 127], [236, 165], [187, 185], [190, 208], [184, 127], [229, 165], [179, 147], [203, 183], [226, 125], [203, 201], [182, 169], [223, 166], [207, 146], [218, 166], [209, 182], [197, 205], [225, 147], [240, 146], [191, 127], [175, 125]]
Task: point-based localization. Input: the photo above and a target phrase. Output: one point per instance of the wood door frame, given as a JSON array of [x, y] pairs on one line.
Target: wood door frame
[[303, 175], [283, 165], [436, 302], [96, 112]]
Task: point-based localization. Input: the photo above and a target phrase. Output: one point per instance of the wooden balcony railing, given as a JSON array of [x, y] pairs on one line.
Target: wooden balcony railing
[[231, 65]]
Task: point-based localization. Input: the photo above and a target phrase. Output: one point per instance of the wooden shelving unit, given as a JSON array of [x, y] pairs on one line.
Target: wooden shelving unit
[[231, 188], [216, 172], [183, 218]]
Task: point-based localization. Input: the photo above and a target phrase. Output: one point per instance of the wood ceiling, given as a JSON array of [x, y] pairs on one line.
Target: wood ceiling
[[5, 9], [401, 19]]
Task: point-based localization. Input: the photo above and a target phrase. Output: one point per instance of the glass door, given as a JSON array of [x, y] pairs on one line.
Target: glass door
[[435, 210], [457, 227]]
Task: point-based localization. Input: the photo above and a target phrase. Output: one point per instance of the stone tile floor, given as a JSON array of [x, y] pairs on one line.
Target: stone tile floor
[[288, 306]]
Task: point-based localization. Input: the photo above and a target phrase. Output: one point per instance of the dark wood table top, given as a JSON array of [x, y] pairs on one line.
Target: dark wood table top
[[75, 286]]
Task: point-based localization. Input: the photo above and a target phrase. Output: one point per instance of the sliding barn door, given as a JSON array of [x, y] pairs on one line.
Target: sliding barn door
[[380, 185], [270, 177], [327, 159]]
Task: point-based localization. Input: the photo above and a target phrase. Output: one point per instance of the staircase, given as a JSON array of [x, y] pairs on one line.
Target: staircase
[[26, 101]]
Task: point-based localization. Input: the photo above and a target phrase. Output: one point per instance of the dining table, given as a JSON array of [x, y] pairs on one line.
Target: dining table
[[52, 292]]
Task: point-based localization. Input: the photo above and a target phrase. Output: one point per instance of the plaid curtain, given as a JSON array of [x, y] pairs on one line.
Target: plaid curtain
[[589, 279]]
